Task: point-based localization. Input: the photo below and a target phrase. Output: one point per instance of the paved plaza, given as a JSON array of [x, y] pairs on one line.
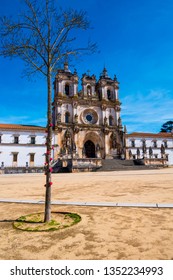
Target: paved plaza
[[125, 215]]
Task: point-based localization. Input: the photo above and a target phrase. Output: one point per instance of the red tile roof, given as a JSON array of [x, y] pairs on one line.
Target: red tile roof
[[21, 127], [153, 135]]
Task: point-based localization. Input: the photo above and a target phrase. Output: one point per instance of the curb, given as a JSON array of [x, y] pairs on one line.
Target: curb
[[97, 204]]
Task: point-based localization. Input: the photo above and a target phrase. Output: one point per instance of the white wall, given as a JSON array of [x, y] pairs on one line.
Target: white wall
[[24, 148], [6, 155], [7, 137], [149, 143]]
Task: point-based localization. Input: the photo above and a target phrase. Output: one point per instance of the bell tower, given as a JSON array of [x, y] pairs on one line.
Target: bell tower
[[107, 89], [64, 107], [66, 83], [88, 86]]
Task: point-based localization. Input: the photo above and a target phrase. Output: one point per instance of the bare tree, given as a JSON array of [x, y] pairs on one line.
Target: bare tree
[[42, 36]]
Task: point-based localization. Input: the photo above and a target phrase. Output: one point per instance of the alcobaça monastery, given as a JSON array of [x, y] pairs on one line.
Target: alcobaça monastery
[[88, 134]]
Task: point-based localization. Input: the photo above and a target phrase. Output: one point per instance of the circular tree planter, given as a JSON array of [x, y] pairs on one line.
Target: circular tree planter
[[35, 222]]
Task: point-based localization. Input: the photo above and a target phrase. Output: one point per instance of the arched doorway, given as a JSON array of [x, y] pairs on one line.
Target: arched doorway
[[89, 149]]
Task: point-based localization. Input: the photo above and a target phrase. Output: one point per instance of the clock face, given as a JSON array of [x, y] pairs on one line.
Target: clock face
[[89, 116]]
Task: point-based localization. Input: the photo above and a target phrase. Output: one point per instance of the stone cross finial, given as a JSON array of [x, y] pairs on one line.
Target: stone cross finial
[[88, 72]]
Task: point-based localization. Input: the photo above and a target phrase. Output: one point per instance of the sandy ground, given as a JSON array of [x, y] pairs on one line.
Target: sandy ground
[[104, 232]]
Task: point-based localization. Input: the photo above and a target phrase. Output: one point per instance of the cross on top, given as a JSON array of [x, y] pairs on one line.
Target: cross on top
[[88, 72]]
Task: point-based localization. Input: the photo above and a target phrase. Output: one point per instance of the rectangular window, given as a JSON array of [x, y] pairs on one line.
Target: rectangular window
[[0, 139], [165, 144], [16, 139], [143, 142], [32, 139], [133, 143], [155, 144], [155, 156], [15, 157], [32, 157]]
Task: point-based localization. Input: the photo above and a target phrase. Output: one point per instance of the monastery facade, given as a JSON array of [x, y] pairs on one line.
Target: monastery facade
[[87, 122], [87, 130]]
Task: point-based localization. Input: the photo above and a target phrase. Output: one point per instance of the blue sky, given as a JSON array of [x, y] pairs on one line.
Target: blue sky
[[135, 39]]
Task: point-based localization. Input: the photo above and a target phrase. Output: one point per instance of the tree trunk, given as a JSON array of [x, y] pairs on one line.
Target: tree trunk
[[48, 170]]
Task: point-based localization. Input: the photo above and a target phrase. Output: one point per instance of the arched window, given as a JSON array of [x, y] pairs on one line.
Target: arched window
[[100, 94], [67, 89], [67, 117], [110, 120], [109, 94], [89, 90]]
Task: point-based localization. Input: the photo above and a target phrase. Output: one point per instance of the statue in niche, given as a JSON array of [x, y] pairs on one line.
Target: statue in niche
[[105, 120], [69, 149], [119, 122], [76, 118], [59, 117], [89, 91], [144, 149], [130, 154], [67, 141], [138, 153], [74, 147], [63, 148], [162, 148], [150, 152], [98, 154]]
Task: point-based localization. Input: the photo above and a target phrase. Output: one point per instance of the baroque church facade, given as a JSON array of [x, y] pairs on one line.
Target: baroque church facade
[[87, 122], [87, 131]]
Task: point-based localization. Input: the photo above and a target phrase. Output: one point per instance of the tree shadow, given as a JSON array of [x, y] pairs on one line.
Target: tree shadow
[[7, 221], [11, 221]]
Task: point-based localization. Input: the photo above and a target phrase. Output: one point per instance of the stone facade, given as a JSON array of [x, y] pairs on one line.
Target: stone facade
[[87, 122]]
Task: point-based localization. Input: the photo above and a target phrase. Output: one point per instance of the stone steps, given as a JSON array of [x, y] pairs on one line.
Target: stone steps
[[118, 164], [107, 165]]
